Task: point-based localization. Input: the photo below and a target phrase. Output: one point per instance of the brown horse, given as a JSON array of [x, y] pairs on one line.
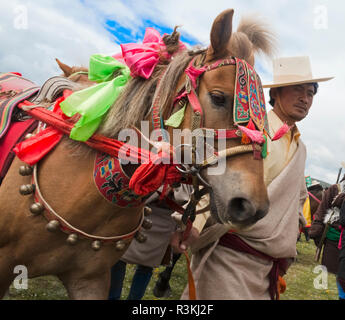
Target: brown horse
[[316, 198], [66, 182]]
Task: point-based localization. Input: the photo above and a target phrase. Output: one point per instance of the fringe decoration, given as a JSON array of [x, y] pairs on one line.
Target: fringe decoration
[[245, 138], [264, 148], [252, 135], [282, 131]]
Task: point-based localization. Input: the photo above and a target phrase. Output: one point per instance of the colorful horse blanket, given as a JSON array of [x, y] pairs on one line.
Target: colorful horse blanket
[[13, 90]]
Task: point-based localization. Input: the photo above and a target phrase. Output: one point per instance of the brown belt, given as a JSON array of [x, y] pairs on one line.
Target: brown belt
[[234, 242]]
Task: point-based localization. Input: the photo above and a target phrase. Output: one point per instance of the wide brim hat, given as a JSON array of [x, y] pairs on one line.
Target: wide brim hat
[[292, 71]]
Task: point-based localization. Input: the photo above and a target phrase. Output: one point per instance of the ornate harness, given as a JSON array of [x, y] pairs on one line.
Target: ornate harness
[[249, 104]]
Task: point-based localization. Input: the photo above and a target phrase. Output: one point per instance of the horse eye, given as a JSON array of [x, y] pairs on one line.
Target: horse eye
[[218, 99]]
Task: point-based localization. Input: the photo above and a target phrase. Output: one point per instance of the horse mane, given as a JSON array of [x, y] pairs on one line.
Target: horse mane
[[253, 36], [134, 102]]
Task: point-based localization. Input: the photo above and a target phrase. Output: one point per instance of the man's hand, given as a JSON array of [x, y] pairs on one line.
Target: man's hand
[[178, 244]]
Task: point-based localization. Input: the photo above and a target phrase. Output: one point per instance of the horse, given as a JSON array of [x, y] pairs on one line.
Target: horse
[[64, 176], [315, 195]]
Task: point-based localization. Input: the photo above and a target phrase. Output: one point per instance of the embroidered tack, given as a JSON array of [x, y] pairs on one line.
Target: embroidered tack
[[113, 183]]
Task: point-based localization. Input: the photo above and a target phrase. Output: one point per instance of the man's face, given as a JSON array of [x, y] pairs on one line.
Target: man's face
[[296, 100]]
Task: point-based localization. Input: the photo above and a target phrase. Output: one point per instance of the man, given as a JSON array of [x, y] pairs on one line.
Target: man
[[245, 264], [328, 212]]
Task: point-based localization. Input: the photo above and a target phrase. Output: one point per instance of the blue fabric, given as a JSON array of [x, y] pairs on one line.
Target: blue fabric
[[118, 272], [340, 291], [140, 281]]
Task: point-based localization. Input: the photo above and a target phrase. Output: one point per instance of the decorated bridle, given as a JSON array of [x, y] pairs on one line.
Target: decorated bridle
[[249, 107]]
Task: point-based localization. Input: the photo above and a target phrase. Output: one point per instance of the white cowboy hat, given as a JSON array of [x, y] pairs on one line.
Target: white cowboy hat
[[291, 71]]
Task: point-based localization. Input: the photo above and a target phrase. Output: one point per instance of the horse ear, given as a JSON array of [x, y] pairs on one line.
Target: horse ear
[[220, 34], [67, 70]]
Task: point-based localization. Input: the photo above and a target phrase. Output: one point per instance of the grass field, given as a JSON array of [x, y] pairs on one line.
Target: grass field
[[300, 281]]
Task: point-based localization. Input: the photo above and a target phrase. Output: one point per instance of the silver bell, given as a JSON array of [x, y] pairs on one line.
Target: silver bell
[[72, 239], [25, 170], [120, 245], [140, 237], [96, 245], [26, 189], [147, 211], [53, 226], [36, 208], [147, 224]]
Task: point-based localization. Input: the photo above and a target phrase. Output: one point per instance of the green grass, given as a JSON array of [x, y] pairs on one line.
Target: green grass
[[300, 281]]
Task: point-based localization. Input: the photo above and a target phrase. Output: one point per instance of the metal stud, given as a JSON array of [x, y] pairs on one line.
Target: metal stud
[[120, 245], [28, 136], [140, 237], [72, 239], [147, 224], [53, 226], [25, 170], [36, 208], [147, 211], [96, 245], [26, 189]]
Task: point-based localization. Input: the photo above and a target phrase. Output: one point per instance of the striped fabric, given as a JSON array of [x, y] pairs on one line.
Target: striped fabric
[[22, 90]]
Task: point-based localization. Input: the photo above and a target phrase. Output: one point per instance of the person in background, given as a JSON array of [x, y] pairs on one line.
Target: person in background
[[329, 213]]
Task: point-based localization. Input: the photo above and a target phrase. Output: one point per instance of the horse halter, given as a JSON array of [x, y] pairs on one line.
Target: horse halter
[[187, 95]]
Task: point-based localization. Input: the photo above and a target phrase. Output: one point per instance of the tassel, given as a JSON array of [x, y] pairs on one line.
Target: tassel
[[253, 135], [264, 149], [245, 138], [281, 132]]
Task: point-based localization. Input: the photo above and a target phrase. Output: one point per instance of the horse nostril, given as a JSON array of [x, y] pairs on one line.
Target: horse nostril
[[241, 209]]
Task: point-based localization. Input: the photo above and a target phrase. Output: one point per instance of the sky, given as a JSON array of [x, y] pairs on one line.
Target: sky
[[33, 33]]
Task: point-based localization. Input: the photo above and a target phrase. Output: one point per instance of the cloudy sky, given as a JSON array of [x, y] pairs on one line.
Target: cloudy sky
[[33, 33]]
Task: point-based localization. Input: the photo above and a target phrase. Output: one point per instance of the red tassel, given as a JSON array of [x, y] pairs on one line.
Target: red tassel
[[245, 138], [281, 132]]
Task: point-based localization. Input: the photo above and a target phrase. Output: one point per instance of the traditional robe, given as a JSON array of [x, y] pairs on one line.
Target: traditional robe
[[221, 273]]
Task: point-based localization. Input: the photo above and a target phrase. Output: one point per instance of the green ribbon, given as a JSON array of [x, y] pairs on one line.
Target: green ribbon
[[176, 119], [93, 103], [264, 148], [333, 234]]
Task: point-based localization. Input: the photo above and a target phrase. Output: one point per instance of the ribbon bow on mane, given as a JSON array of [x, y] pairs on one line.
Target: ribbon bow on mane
[[142, 59]]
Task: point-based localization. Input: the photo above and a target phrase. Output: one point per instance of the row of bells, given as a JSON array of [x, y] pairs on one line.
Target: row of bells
[[54, 225]]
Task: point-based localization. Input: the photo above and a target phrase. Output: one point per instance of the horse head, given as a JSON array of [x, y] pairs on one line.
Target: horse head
[[76, 74], [239, 194]]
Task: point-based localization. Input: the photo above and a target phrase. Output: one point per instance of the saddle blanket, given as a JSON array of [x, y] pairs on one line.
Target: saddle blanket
[[13, 90], [15, 133]]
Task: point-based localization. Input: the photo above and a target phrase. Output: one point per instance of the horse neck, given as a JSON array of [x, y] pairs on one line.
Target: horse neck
[[66, 180]]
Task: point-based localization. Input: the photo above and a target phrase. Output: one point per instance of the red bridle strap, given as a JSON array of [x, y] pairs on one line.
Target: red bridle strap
[[316, 199]]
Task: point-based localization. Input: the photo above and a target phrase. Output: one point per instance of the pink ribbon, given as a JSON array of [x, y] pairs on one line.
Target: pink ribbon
[[143, 58], [341, 235], [253, 135]]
